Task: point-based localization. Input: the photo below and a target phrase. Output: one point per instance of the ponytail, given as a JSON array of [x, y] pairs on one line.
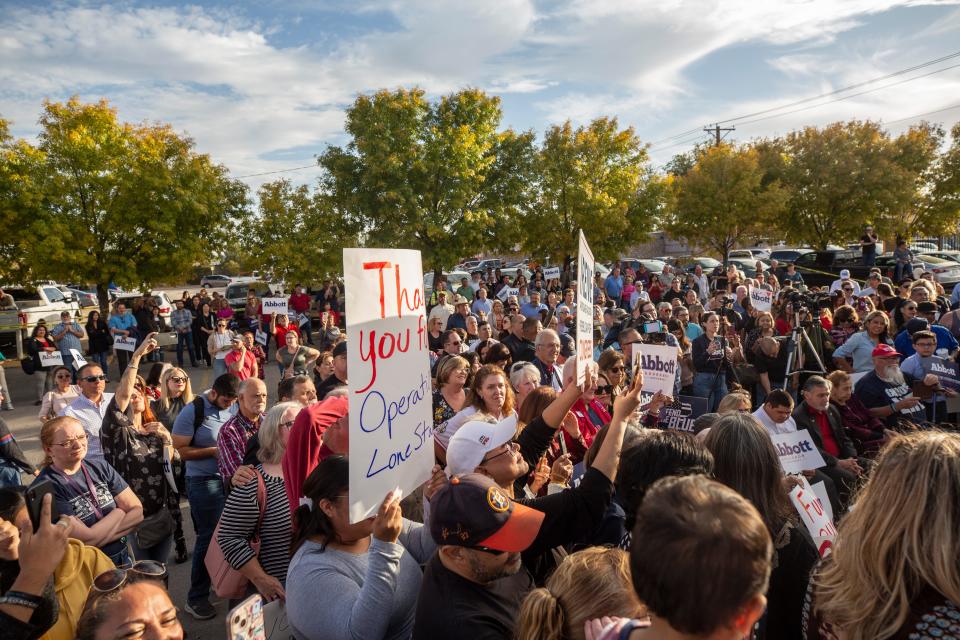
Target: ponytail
[[541, 617], [330, 479]]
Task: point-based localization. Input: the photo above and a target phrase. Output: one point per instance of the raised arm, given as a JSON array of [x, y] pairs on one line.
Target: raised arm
[[129, 377]]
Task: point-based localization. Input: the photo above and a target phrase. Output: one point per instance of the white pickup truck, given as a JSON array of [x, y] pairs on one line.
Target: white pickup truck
[[42, 302]]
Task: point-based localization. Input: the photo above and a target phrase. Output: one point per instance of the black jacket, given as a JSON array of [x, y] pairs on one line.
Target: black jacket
[[806, 421]]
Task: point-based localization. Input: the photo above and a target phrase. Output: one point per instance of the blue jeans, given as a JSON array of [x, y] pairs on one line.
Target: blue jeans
[[185, 339], [159, 552], [705, 387], [122, 558], [206, 497], [100, 359], [219, 367]]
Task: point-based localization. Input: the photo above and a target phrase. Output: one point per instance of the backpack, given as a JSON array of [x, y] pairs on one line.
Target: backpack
[[198, 416]]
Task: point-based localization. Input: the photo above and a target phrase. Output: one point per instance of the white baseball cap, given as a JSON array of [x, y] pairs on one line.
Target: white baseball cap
[[844, 274], [474, 440]]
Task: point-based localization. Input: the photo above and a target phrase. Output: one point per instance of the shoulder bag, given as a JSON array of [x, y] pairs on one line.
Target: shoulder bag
[[226, 581]]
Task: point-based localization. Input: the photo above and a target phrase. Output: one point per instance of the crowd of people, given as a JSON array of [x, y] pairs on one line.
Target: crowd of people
[[555, 510]]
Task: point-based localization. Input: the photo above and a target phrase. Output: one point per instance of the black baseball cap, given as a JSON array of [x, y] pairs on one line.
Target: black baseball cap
[[927, 307], [340, 349], [473, 511], [568, 345]]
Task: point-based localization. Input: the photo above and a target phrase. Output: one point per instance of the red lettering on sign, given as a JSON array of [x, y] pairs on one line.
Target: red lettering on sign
[[403, 295], [384, 348], [422, 332], [379, 266]]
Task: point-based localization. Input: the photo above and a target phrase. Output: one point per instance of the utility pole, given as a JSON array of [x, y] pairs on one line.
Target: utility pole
[[716, 131]]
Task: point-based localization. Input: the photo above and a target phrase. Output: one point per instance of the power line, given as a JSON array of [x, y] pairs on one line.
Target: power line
[[847, 97], [822, 95], [268, 173], [920, 115]]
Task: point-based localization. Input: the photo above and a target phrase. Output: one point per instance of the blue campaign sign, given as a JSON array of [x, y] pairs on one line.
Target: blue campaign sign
[[680, 415]]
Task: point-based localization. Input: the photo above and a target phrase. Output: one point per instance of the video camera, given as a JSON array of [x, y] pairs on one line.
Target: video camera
[[652, 332]]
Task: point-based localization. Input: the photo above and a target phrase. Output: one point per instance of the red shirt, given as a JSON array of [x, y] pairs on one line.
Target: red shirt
[[246, 368], [281, 333], [299, 302], [826, 433]]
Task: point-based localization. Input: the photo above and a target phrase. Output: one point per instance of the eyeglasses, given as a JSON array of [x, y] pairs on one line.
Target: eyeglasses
[[69, 443], [94, 378], [222, 326], [177, 379], [909, 308], [61, 376], [509, 449], [113, 579]]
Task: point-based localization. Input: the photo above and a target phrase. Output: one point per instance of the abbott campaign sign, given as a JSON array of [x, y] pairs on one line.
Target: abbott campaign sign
[[391, 417], [761, 299], [797, 452], [659, 364]]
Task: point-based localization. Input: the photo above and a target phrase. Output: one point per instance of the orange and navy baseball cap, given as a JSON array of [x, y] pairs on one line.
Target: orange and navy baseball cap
[[472, 511]]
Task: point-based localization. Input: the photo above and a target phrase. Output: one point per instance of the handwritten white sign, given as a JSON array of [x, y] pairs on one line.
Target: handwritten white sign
[[551, 272], [796, 451], [302, 319], [261, 337], [585, 266], [391, 415], [274, 305], [659, 364], [506, 292], [815, 516], [50, 359], [124, 344], [78, 359], [761, 299]]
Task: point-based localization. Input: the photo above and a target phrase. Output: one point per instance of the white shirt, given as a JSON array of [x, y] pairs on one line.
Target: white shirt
[[91, 417], [442, 311], [837, 283], [703, 285], [774, 428]]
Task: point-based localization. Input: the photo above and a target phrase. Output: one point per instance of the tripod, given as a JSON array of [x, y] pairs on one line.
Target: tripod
[[798, 338], [725, 364]]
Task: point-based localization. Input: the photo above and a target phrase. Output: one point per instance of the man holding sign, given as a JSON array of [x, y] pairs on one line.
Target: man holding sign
[[68, 335], [390, 397], [123, 325]]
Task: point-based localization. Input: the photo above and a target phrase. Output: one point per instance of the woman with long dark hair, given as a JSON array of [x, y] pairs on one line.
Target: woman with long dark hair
[[40, 342], [99, 339], [204, 324], [368, 572], [746, 461]]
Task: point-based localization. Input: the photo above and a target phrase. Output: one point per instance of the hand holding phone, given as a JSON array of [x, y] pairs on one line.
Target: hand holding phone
[[245, 621], [34, 498]]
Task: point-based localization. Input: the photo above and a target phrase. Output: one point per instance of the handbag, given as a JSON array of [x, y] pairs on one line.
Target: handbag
[[226, 581], [155, 529], [28, 366]]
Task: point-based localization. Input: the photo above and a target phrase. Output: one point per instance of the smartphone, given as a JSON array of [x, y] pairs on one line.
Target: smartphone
[[245, 621], [34, 498]]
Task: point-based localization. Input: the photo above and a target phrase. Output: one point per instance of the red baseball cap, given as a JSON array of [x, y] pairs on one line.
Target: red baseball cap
[[885, 351]]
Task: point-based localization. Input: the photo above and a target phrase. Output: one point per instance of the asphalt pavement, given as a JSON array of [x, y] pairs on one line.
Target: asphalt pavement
[[25, 425]]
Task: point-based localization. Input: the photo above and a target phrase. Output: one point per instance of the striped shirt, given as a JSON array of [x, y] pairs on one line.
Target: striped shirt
[[239, 521]]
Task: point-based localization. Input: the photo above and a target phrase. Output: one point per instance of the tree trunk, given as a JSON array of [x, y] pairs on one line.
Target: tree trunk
[[103, 299]]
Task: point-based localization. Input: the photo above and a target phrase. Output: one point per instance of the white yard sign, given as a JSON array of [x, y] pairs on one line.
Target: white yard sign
[[391, 413]]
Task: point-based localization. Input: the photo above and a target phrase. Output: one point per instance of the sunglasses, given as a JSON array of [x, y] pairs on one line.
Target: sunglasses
[[495, 552], [619, 368], [94, 378], [177, 379], [222, 325], [509, 449], [113, 579], [64, 376], [604, 390]]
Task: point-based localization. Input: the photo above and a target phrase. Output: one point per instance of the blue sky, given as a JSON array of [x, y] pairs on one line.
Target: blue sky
[[262, 86]]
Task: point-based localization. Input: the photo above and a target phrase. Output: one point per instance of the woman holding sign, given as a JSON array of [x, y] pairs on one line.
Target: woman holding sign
[[38, 344]]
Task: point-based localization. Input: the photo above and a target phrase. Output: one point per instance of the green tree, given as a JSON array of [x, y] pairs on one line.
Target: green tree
[[722, 200], [117, 202], [845, 175], [437, 177], [596, 178], [936, 210], [297, 236]]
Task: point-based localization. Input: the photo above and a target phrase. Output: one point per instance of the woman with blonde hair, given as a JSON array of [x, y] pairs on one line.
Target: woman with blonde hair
[[895, 571], [592, 583], [175, 394], [733, 402]]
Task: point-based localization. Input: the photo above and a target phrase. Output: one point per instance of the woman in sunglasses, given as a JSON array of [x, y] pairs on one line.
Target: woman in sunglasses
[[613, 368], [139, 447], [219, 344], [130, 603], [63, 393], [175, 394]]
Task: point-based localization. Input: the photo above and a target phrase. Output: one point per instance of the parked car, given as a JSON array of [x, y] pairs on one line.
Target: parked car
[[453, 281], [215, 280], [34, 303], [748, 265], [783, 256], [688, 264], [821, 268], [750, 254], [236, 293], [946, 272], [945, 254], [85, 299], [653, 266], [923, 247]]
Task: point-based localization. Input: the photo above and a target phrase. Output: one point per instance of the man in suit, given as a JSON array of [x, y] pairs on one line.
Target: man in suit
[[825, 426]]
